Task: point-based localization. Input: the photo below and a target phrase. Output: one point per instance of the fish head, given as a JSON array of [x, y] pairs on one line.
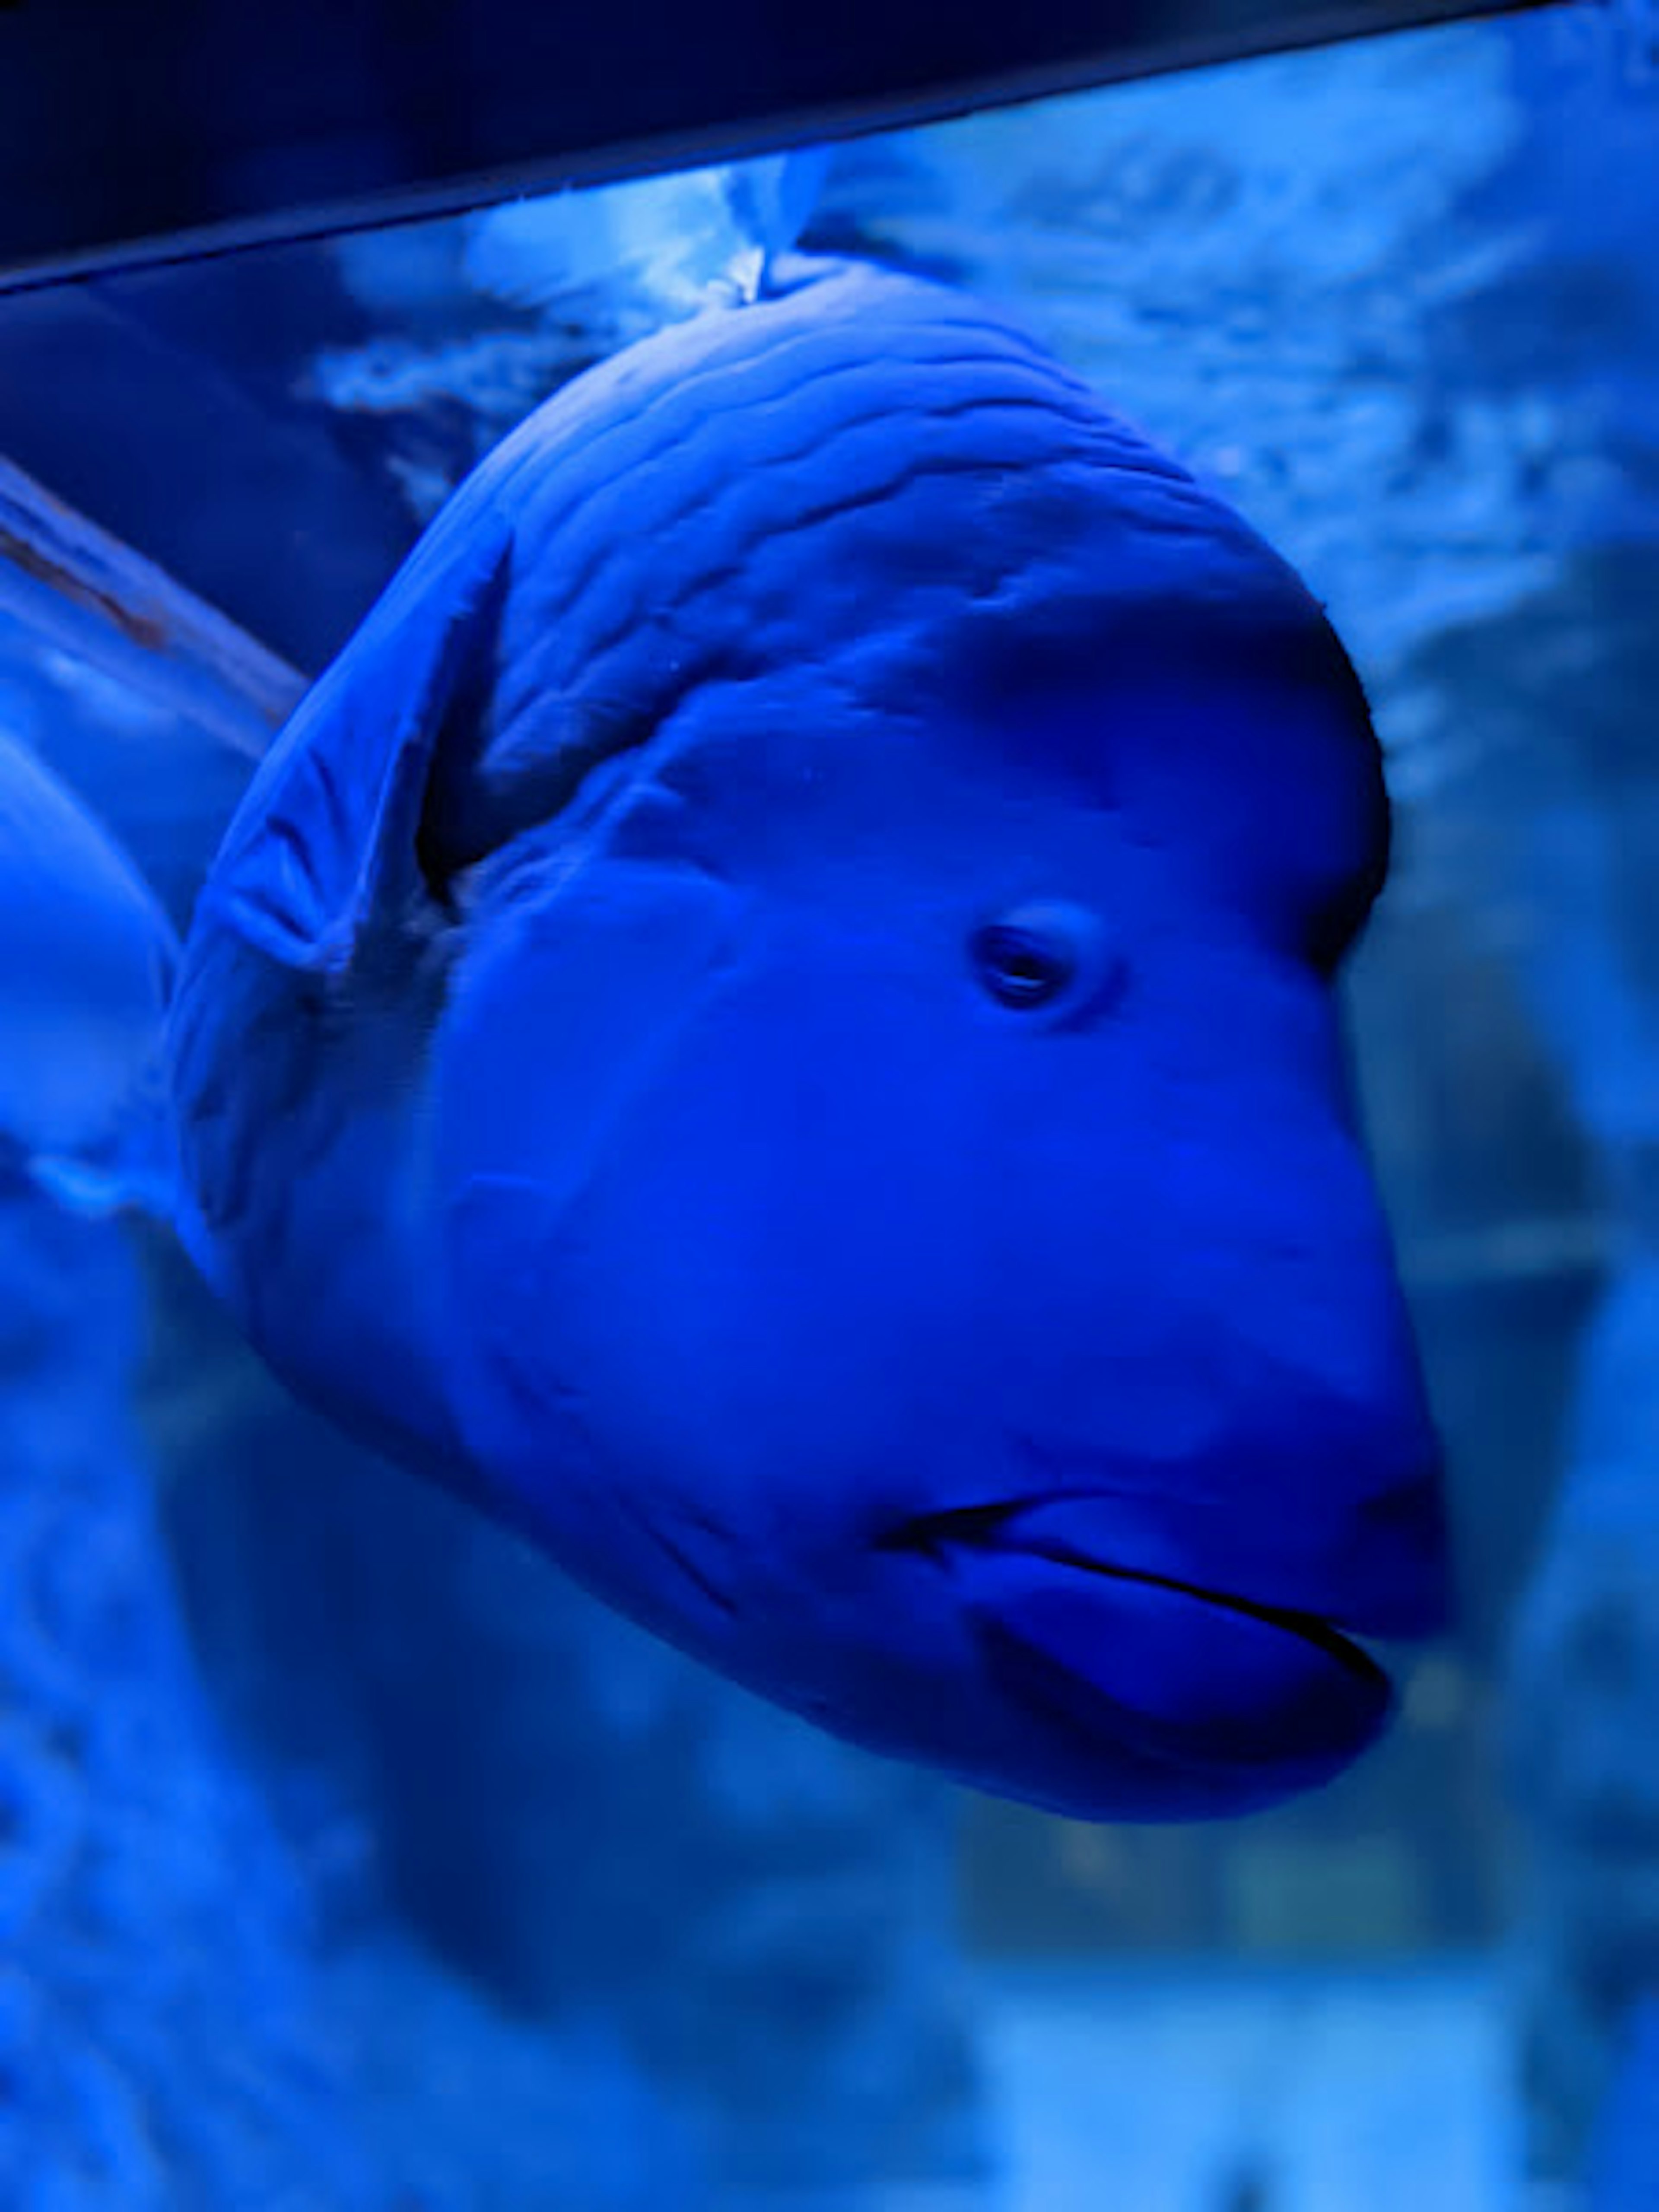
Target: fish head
[[884, 1179], [913, 1244]]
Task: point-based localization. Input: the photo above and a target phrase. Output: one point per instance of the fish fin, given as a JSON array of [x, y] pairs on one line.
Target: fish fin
[[325, 845], [87, 961]]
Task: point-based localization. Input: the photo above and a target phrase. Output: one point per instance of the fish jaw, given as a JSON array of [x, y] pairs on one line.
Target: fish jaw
[[1252, 1703], [1152, 1698]]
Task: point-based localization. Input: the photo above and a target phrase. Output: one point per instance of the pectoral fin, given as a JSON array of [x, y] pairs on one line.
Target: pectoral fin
[[324, 847]]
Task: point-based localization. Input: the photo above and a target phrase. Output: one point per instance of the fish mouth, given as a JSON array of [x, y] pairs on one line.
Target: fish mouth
[[1177, 1672]]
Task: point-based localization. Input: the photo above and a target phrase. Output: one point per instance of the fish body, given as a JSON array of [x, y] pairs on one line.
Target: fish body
[[87, 959], [770, 1022]]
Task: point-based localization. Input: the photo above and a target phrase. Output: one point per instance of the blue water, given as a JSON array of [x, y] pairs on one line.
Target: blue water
[[348, 1856]]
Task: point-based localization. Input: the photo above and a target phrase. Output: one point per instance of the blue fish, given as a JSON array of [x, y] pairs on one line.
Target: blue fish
[[87, 959], [770, 1022]]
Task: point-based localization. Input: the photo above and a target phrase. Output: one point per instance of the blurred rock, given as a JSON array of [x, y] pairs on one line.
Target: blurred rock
[[1583, 1718], [162, 2047], [1624, 2159]]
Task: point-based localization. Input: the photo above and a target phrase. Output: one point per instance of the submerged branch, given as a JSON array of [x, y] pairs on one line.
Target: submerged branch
[[74, 584]]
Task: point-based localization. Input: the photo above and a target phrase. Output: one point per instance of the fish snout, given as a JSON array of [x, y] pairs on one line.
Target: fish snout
[[1261, 1428], [1198, 1627], [1330, 1517]]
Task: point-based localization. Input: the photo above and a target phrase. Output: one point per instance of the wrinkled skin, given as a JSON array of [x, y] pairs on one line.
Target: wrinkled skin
[[771, 1022]]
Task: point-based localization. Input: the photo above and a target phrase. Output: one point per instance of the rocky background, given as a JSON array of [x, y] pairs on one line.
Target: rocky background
[[164, 2047]]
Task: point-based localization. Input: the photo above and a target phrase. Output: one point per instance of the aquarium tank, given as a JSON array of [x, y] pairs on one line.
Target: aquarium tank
[[823, 1394]]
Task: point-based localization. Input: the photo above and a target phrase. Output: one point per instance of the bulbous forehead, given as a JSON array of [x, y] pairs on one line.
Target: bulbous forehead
[[863, 475]]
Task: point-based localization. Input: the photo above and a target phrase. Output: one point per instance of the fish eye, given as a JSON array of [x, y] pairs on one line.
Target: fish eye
[[1034, 955]]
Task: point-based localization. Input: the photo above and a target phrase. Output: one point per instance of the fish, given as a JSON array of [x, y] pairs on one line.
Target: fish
[[87, 961], [771, 1022]]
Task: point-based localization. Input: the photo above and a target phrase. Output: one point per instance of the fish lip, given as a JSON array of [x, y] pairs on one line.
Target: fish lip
[[1307, 1627], [1382, 1572], [986, 1527]]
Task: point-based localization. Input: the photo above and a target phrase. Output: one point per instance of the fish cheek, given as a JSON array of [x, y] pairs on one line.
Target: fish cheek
[[566, 1006], [738, 1272]]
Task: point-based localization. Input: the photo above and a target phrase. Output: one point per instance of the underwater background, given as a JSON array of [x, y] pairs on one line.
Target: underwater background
[[349, 1856]]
